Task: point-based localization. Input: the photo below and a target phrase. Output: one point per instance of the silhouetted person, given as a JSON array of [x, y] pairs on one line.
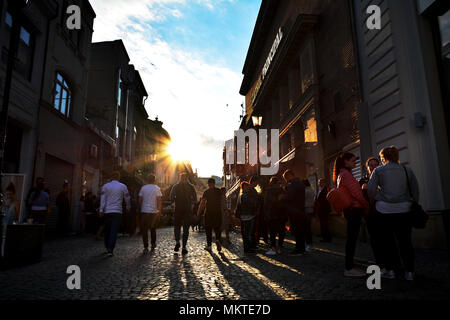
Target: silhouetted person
[[212, 203], [184, 195]]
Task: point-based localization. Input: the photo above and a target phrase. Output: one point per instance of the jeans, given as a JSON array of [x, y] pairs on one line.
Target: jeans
[[354, 218], [297, 220], [374, 226], [248, 234], [397, 229], [277, 227], [217, 232], [148, 221], [112, 225], [186, 224]]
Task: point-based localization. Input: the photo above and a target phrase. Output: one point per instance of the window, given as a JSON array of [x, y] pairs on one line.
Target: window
[[63, 96], [119, 90], [25, 47], [306, 66], [8, 19]]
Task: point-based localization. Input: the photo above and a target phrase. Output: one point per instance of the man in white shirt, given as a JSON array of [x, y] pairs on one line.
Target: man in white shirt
[[150, 202], [111, 204]]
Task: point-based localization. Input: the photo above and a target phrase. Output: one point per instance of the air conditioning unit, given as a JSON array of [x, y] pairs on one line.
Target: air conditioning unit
[[93, 151]]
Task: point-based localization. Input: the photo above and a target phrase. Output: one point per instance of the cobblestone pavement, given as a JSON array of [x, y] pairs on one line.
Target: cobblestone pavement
[[203, 275]]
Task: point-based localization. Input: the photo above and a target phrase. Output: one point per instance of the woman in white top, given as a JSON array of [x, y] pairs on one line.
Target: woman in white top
[[393, 187]]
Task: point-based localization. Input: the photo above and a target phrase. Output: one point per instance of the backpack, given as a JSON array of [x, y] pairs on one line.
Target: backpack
[[339, 199]]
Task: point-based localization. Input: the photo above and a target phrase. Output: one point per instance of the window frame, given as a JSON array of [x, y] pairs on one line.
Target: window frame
[[65, 87]]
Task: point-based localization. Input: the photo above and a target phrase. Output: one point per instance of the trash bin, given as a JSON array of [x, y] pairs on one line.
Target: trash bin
[[22, 245]]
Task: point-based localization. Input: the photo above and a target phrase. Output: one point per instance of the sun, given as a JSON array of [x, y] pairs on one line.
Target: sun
[[178, 151]]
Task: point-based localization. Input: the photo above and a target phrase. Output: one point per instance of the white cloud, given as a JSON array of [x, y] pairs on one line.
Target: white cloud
[[186, 93]]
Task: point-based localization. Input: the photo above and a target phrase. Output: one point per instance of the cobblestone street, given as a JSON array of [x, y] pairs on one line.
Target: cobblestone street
[[203, 275]]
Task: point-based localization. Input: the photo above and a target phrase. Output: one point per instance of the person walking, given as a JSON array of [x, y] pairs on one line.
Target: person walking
[[393, 187], [113, 195], [212, 204], [322, 208], [63, 205], [261, 226], [275, 215], [295, 204], [90, 212], [246, 207], [150, 202], [226, 221], [39, 202], [184, 195], [309, 212], [343, 177]]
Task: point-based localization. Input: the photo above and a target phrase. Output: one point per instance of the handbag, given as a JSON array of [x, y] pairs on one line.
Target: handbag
[[419, 217], [339, 199]]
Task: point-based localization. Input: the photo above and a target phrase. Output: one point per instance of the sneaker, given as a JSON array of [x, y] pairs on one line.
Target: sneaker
[[354, 273], [110, 254], [387, 274], [219, 246], [184, 251], [177, 247], [308, 248], [271, 252], [409, 276], [208, 248], [296, 253]]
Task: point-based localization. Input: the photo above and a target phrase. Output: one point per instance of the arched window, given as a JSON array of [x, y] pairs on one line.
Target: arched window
[[63, 95]]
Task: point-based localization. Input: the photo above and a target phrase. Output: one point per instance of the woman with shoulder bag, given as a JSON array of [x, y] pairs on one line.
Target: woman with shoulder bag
[[343, 178], [394, 188]]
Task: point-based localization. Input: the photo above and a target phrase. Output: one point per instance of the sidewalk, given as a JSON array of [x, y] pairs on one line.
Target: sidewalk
[[433, 263]]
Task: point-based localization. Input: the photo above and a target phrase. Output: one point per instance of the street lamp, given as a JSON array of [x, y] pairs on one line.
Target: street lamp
[[257, 121]]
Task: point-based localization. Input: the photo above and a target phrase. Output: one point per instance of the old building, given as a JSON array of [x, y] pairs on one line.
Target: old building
[[62, 109], [27, 87], [116, 105], [300, 76], [404, 70]]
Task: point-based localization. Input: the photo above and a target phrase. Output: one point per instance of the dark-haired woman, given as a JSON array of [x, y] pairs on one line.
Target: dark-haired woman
[[343, 177]]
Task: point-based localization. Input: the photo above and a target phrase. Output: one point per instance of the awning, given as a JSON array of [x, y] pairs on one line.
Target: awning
[[289, 156], [233, 188]]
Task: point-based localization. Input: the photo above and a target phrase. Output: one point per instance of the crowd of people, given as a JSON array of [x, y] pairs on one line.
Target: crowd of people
[[383, 198]]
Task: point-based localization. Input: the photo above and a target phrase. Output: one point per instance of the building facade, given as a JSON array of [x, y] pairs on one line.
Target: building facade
[[329, 84], [27, 85], [300, 76], [404, 70], [59, 154]]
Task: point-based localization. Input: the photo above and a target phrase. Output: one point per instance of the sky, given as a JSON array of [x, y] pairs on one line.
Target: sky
[[190, 54]]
